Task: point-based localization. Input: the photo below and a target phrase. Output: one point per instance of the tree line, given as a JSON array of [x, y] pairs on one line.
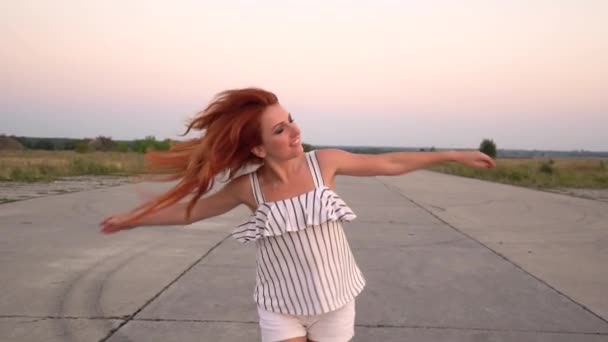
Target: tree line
[[104, 143], [100, 143]]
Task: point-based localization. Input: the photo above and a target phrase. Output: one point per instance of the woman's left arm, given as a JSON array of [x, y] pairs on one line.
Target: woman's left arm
[[397, 163]]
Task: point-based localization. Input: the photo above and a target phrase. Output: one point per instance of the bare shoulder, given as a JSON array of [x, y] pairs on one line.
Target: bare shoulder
[[240, 187], [329, 162], [329, 157]]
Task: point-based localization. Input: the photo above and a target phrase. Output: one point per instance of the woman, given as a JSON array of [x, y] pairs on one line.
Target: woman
[[306, 278]]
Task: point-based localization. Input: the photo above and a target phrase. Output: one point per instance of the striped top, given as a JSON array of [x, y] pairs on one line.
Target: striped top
[[304, 262]]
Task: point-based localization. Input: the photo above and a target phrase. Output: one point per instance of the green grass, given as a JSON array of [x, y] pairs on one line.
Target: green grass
[[539, 173], [33, 165]]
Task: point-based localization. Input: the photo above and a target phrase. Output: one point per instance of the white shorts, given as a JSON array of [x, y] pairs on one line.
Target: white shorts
[[333, 326]]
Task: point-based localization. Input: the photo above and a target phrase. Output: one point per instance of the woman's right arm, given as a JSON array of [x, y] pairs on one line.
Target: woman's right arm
[[216, 204]]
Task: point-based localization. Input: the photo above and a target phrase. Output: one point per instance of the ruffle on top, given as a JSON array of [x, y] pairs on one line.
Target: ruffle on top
[[312, 208]]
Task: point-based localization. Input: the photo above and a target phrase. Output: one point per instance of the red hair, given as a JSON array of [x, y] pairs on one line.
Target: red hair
[[230, 127]]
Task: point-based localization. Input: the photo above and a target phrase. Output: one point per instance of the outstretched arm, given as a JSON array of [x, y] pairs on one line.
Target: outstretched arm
[[397, 163], [216, 204]]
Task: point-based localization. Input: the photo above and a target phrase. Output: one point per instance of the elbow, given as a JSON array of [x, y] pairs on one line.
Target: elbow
[[393, 169], [396, 170]]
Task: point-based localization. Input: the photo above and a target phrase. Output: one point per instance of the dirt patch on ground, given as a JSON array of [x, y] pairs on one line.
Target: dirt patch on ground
[[17, 191], [594, 194]]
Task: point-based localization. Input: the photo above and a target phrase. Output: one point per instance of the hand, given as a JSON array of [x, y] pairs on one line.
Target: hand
[[115, 223], [475, 159]]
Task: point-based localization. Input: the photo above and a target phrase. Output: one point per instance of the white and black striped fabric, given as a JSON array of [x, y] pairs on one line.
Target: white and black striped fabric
[[304, 262]]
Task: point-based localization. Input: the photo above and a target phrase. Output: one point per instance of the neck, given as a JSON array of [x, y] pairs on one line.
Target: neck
[[282, 172]]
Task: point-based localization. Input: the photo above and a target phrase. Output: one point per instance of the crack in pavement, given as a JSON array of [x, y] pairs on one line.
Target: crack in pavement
[[430, 327], [398, 192], [131, 316], [389, 326], [64, 317], [396, 326]]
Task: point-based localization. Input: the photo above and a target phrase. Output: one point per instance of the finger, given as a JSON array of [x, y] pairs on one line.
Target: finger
[[484, 164], [108, 230], [105, 220]]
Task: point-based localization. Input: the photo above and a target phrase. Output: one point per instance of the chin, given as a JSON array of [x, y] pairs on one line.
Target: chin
[[289, 152], [295, 151]]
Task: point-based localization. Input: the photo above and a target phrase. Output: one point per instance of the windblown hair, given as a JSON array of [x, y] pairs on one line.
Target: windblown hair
[[230, 127]]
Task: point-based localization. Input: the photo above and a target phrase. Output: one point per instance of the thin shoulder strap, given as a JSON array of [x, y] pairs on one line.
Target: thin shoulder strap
[[313, 164], [255, 187]]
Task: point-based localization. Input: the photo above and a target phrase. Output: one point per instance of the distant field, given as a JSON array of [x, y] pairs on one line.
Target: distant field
[[35, 165], [539, 172], [39, 165]]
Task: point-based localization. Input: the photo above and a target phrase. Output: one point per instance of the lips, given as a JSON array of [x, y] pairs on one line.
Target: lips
[[295, 142]]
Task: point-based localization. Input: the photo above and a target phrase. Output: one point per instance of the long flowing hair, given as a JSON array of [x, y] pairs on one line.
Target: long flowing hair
[[230, 128]]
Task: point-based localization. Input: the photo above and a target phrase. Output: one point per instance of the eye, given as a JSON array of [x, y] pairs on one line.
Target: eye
[[282, 129]]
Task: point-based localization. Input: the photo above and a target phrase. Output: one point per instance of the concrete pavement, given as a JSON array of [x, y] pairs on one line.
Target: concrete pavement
[[445, 259]]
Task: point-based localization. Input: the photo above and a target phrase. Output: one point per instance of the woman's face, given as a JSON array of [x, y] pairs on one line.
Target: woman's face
[[280, 135]]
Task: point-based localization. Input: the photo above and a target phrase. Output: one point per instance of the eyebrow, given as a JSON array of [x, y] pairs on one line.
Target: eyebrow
[[280, 123]]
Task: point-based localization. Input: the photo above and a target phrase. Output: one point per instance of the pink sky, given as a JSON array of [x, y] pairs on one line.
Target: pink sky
[[529, 74]]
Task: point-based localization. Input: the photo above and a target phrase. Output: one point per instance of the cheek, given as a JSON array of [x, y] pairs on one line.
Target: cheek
[[283, 141], [279, 142]]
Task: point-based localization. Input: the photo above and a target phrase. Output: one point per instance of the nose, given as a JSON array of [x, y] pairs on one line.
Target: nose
[[295, 130]]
